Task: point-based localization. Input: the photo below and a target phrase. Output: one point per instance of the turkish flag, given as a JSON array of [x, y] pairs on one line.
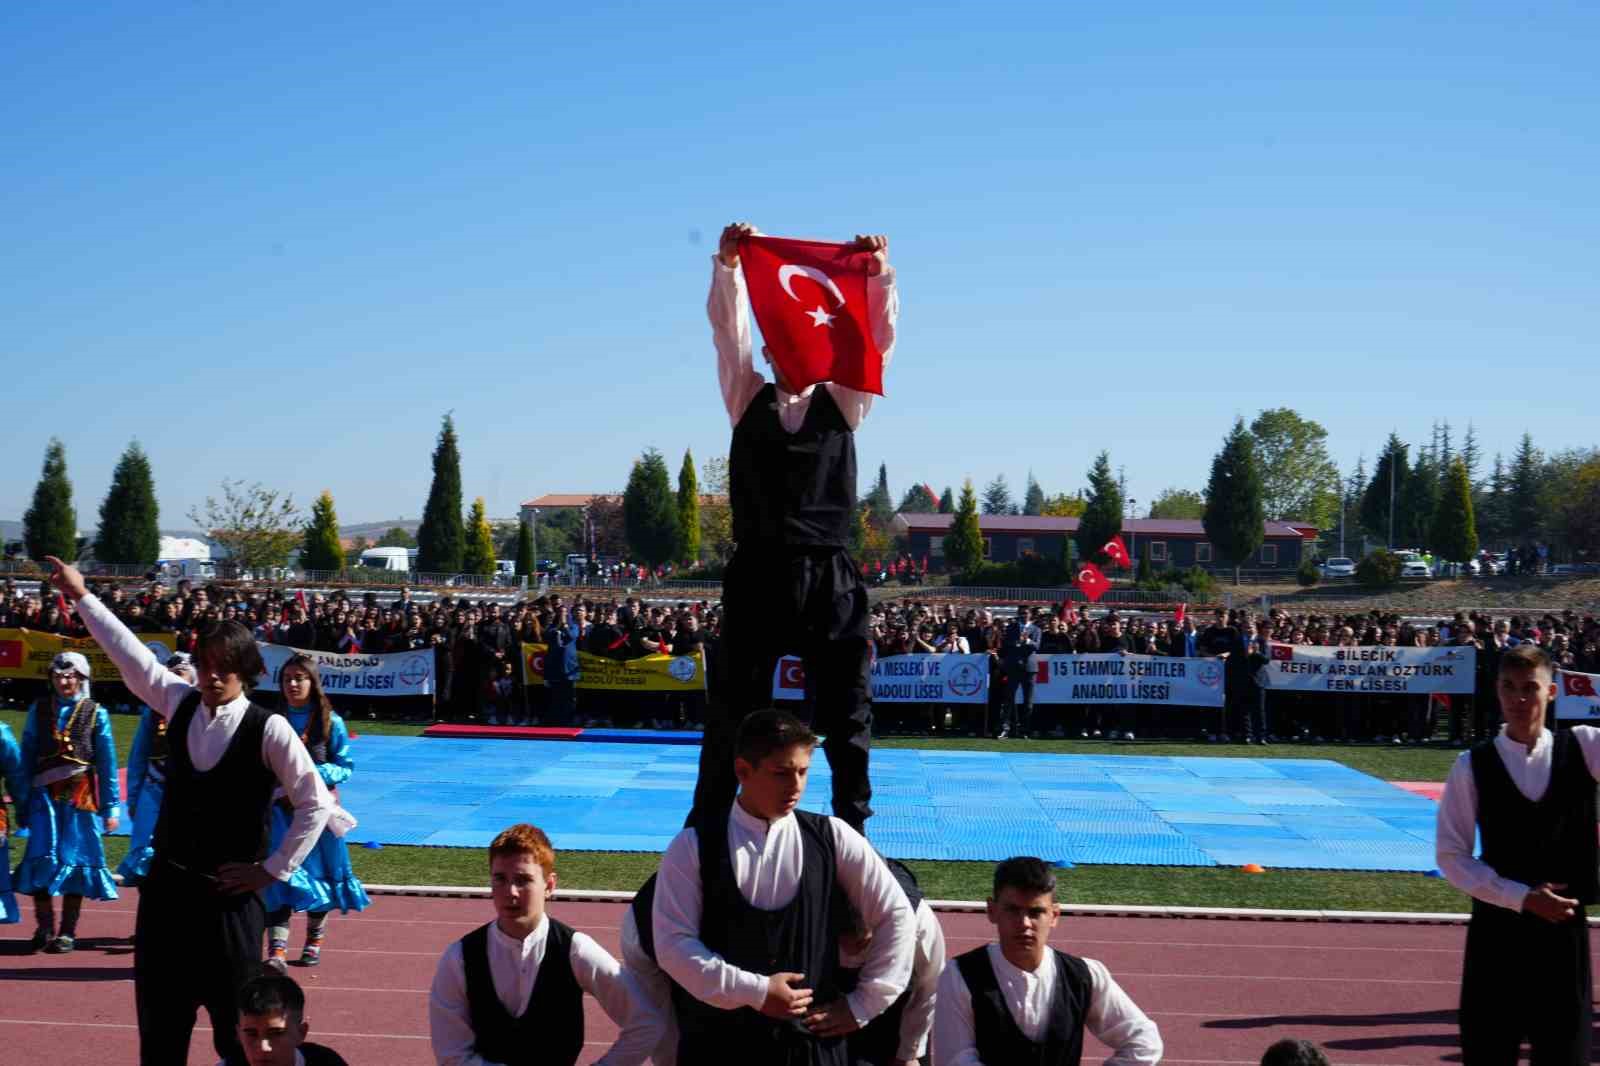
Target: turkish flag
[[1177, 616], [1092, 582], [810, 299], [865, 571], [791, 673], [1117, 551], [1282, 652], [1579, 684]]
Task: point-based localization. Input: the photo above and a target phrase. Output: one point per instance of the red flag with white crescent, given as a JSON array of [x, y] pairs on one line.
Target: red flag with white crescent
[[1179, 613], [1092, 582], [1117, 551], [810, 300]]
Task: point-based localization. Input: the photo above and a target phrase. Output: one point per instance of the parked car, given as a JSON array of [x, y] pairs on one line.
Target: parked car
[[1339, 566], [1415, 566]]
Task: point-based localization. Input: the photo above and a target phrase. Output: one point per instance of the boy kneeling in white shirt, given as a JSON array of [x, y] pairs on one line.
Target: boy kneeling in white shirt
[[1019, 1000], [748, 909], [511, 992]]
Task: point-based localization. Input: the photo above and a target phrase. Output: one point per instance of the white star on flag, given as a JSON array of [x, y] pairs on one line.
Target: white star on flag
[[819, 317]]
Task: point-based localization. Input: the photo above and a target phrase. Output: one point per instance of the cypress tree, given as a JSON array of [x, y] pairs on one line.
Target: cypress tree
[[947, 501], [478, 556], [129, 516], [1102, 517], [1454, 535], [50, 526], [688, 511], [1033, 498], [320, 549], [1523, 512], [963, 545], [649, 510], [879, 501], [441, 540], [1234, 517], [525, 563]]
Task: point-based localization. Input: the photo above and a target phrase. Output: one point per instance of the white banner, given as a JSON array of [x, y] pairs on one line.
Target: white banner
[[1370, 670], [401, 673], [926, 678], [1116, 678], [1577, 696]]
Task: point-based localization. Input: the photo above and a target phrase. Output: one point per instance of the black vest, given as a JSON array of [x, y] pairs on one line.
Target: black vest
[[550, 1029], [998, 1036], [155, 760], [314, 1054], [878, 1042], [1549, 839], [220, 815], [79, 740], [799, 938], [644, 905], [792, 489]]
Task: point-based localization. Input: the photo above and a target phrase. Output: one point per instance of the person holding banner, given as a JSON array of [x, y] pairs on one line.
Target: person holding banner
[[73, 799], [147, 776], [791, 587], [1530, 795], [325, 880], [200, 922]]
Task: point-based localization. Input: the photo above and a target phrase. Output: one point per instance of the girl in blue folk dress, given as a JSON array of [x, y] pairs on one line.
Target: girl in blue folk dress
[[147, 782], [71, 800], [326, 880], [14, 781]]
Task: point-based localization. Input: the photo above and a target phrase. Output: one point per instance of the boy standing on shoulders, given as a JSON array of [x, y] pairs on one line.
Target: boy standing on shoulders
[[749, 903], [1530, 793], [1020, 1000], [511, 992]]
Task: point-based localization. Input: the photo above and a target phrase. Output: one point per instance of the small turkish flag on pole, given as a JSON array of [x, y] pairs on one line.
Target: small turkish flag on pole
[[1117, 551], [810, 299], [1179, 613], [1092, 582]]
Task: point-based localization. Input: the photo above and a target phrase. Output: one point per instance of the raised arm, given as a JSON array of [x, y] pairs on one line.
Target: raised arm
[[160, 689], [729, 313], [883, 307]]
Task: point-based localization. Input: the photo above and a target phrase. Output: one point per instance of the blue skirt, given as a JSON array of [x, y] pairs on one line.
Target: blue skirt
[[135, 866], [8, 899], [324, 882], [64, 855]]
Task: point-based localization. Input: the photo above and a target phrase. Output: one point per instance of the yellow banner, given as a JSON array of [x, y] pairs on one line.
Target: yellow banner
[[654, 673], [25, 653]]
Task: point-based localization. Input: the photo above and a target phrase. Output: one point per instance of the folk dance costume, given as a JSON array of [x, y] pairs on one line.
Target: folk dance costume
[[15, 783], [639, 959], [991, 1012], [194, 945], [500, 1001], [791, 586], [68, 748], [901, 1032], [326, 880], [147, 782], [1524, 977], [739, 898]]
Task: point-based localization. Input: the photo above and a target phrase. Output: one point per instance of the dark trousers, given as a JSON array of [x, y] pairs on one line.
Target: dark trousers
[[1019, 718], [1525, 979], [563, 705], [806, 603], [192, 948]]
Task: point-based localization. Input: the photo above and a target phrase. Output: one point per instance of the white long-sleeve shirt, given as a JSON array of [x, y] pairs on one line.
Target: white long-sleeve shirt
[[210, 733], [1113, 1018], [655, 987], [729, 311], [514, 967], [767, 860], [927, 963], [1458, 812]]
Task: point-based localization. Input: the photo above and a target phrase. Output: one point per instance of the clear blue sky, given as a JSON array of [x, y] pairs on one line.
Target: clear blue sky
[[278, 241]]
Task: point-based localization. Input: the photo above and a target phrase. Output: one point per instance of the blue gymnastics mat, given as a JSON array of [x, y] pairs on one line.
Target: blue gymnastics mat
[[971, 805]]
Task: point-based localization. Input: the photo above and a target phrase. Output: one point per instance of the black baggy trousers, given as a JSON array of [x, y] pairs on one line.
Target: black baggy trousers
[[805, 602], [1524, 978]]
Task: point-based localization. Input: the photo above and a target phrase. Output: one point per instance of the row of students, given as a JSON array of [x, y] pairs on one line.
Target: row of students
[[778, 936]]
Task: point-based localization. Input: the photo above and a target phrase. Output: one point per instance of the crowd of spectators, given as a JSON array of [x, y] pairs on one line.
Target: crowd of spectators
[[475, 646]]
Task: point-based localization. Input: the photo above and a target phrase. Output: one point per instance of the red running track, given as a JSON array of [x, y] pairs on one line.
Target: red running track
[[1220, 990]]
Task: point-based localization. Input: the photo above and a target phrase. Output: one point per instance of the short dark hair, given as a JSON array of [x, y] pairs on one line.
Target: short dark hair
[[268, 992], [768, 731], [230, 648], [1025, 874], [1294, 1053], [1527, 656]]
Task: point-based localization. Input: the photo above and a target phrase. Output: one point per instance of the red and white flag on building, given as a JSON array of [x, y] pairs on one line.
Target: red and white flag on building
[[1117, 551], [810, 300], [1092, 582]]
